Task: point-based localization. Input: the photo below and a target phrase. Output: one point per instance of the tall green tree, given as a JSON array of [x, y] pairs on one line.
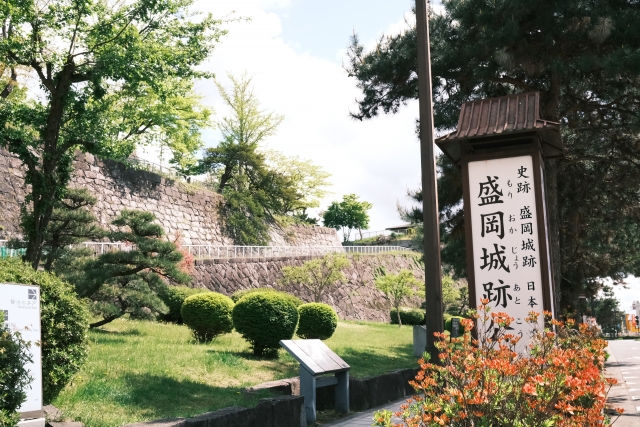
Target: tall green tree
[[109, 77], [254, 193], [318, 276], [349, 214], [584, 58], [310, 181], [606, 309], [398, 287]]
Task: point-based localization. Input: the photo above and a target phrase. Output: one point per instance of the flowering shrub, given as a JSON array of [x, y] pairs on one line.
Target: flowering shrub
[[483, 382]]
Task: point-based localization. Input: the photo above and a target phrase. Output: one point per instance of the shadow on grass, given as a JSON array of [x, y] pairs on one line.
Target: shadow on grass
[[128, 333], [112, 337], [365, 364], [149, 397]]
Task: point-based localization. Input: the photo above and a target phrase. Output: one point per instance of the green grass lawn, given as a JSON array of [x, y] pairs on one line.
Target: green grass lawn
[[140, 371]]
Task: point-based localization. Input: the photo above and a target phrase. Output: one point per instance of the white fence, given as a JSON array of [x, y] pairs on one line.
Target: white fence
[[213, 252], [216, 252]]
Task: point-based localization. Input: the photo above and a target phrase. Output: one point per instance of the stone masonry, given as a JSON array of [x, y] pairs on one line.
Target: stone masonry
[[181, 209], [357, 299]]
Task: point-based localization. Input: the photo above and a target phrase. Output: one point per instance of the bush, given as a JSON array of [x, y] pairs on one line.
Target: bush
[[14, 377], [244, 292], [64, 322], [317, 321], [173, 297], [557, 381], [263, 319], [408, 316], [208, 315]]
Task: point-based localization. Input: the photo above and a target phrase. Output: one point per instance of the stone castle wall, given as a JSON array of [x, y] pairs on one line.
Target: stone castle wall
[[180, 208], [358, 299]]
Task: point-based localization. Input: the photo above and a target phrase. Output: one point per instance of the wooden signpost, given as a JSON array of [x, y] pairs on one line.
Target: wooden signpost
[[500, 144]]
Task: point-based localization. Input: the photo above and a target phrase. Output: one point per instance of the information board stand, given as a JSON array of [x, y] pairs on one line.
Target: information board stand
[[21, 307], [317, 359]]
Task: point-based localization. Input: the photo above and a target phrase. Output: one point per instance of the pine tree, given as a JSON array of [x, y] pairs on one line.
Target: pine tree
[[584, 59], [71, 223], [128, 281]]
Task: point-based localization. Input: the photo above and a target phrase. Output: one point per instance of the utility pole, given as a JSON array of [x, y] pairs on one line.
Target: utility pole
[[433, 278]]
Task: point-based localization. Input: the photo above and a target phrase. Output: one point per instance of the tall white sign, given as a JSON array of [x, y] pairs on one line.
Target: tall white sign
[[21, 307], [506, 250]]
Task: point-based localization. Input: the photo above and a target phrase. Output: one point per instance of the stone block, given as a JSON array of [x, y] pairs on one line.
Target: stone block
[[52, 413], [288, 411]]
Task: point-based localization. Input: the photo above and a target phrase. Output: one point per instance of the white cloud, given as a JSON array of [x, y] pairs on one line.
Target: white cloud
[[376, 159]]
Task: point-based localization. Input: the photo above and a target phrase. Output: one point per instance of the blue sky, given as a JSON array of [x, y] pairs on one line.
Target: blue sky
[[323, 28]]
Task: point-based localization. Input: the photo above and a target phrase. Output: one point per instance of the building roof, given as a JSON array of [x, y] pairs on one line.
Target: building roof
[[503, 117]]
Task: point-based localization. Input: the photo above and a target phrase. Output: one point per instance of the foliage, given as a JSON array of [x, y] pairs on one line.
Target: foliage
[[130, 281], [173, 297], [484, 382], [310, 180], [318, 275], [607, 311], [583, 59], [109, 78], [238, 295], [317, 321], [208, 315], [347, 215], [253, 192], [397, 287], [264, 319], [14, 377], [71, 222], [64, 323], [407, 316]]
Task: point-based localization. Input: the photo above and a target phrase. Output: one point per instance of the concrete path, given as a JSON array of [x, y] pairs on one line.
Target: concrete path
[[365, 418], [624, 365]]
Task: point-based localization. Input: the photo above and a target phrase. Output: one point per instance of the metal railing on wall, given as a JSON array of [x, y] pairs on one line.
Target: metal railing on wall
[[214, 252], [220, 252]]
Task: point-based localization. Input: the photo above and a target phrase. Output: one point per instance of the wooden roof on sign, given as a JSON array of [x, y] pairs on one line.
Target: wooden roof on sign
[[315, 356], [502, 118]]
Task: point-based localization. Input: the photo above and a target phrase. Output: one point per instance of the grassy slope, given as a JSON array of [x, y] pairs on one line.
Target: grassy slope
[[142, 371]]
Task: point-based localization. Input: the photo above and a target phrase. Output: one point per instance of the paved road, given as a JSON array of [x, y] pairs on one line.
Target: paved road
[[624, 365]]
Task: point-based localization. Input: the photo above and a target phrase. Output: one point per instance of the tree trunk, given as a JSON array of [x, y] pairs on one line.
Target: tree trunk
[[554, 228], [46, 184], [104, 321], [398, 314]]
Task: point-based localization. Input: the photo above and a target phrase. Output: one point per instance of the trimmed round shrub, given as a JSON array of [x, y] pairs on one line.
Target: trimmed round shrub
[[263, 319], [173, 297], [317, 321], [244, 292], [64, 323], [207, 315], [14, 377], [408, 316]]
